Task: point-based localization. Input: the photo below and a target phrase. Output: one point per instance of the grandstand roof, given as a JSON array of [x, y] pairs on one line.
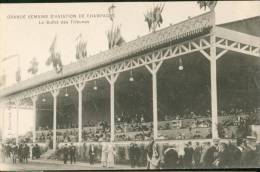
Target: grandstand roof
[[190, 27], [249, 25]]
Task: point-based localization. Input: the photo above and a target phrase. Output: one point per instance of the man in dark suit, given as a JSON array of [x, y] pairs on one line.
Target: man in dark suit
[[131, 155], [209, 158], [137, 154], [72, 151], [65, 153], [188, 155], [134, 155], [170, 157], [234, 155], [38, 151], [197, 155], [222, 160], [91, 154], [26, 153], [248, 156]]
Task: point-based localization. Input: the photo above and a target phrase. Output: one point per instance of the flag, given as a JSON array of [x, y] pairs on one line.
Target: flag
[[158, 14], [57, 63], [53, 45], [55, 57], [153, 17], [210, 4], [114, 37], [111, 12], [81, 48]]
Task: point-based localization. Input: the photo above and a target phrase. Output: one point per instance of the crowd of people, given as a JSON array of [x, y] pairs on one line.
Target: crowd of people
[[125, 124], [20, 152], [243, 153], [129, 119]]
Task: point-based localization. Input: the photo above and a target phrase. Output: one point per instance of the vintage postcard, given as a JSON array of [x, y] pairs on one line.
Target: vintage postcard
[[130, 85]]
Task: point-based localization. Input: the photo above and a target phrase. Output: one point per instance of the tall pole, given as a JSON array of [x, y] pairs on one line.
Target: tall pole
[[112, 79], [2, 124], [153, 70], [155, 111], [34, 101], [214, 102], [80, 88], [17, 123], [213, 78], [55, 95], [112, 110]]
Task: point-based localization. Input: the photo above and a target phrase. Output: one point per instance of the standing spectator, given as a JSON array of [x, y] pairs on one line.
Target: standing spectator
[[20, 153], [131, 155], [234, 155], [258, 155], [14, 152], [134, 155], [84, 150], [111, 155], [72, 151], [91, 154], [209, 156], [197, 155], [188, 155], [222, 159], [26, 153], [23, 153], [203, 154], [65, 153], [153, 157], [181, 154], [104, 154], [137, 154], [37, 151], [33, 151], [170, 157], [248, 156], [3, 152]]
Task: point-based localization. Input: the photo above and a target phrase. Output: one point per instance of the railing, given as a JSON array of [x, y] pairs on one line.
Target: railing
[[181, 129]]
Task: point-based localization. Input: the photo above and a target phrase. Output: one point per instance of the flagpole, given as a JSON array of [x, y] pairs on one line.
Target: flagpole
[[17, 56]]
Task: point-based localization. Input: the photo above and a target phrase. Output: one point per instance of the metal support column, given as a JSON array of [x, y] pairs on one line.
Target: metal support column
[[153, 70], [34, 101], [80, 88], [112, 79], [55, 94]]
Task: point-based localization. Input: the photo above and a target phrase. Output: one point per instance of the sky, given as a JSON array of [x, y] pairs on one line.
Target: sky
[[26, 38]]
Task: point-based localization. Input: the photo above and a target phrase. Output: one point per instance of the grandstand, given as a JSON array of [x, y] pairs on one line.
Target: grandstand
[[191, 81]]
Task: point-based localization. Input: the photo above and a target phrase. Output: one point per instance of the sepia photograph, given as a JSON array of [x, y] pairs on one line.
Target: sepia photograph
[[130, 85]]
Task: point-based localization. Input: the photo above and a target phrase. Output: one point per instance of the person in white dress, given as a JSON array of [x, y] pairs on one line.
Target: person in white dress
[[104, 154], [111, 155]]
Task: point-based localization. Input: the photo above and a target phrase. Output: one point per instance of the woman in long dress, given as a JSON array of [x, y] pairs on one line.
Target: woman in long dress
[[104, 154], [111, 155]]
